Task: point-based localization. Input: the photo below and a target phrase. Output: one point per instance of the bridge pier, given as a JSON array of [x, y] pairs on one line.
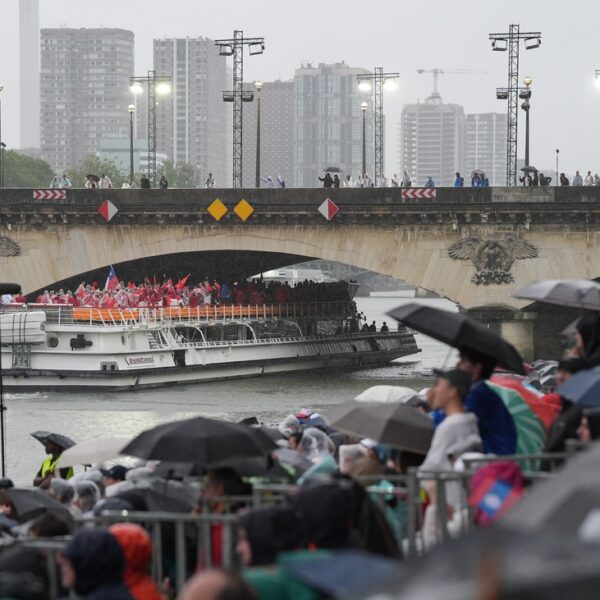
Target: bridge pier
[[515, 326]]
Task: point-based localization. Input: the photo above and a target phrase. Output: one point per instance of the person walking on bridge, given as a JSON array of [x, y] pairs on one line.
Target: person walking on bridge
[[459, 181], [578, 179]]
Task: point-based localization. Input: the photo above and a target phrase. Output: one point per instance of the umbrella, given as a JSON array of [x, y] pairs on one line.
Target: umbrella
[[332, 170], [165, 495], [477, 172], [549, 501], [545, 411], [201, 441], [459, 330], [386, 393], [32, 502], [531, 434], [497, 563], [56, 438], [393, 424], [346, 574], [92, 451], [528, 169], [575, 293], [583, 388]]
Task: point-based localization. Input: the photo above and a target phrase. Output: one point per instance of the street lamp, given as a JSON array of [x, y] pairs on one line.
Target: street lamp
[[2, 146], [258, 85], [131, 109], [363, 107], [525, 95], [557, 153]]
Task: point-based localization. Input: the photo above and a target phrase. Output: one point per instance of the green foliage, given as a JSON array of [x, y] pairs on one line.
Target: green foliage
[[180, 175], [97, 166], [21, 171]]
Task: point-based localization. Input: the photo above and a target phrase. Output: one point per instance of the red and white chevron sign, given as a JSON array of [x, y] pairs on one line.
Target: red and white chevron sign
[[49, 194], [418, 193]]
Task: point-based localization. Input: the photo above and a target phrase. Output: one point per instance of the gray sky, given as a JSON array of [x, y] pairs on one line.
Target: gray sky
[[398, 35]]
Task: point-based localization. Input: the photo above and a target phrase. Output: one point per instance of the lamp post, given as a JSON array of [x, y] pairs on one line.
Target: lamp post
[[258, 85], [525, 95], [363, 108], [557, 153], [1, 146], [131, 109]]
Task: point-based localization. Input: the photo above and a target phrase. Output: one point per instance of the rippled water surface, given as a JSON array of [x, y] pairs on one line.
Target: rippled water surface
[[82, 415]]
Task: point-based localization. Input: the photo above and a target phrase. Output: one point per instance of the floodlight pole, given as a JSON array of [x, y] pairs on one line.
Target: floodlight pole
[[151, 80], [512, 39], [378, 77], [237, 44]]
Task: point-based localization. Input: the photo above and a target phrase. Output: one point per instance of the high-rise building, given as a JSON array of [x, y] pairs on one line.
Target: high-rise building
[[329, 122], [432, 141], [29, 68], [277, 130], [485, 145], [192, 120], [84, 91]]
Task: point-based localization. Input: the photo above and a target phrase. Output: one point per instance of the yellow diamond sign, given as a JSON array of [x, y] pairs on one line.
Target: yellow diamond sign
[[217, 210], [243, 209]]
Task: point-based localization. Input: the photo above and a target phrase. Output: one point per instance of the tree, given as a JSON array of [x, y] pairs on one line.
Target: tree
[[96, 166], [22, 171], [180, 175]]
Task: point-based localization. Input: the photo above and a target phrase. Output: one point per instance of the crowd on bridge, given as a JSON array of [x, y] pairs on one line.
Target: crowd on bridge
[[330, 520], [208, 291]]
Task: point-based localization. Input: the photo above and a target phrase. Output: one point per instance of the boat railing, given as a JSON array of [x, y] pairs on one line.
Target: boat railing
[[68, 315]]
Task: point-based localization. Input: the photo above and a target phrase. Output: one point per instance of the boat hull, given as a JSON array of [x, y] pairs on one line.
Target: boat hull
[[294, 357]]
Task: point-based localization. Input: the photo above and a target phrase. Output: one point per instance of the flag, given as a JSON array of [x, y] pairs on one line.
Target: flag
[[112, 281], [181, 283]]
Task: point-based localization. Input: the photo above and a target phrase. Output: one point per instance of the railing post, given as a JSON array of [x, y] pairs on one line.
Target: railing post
[[413, 495], [179, 555]]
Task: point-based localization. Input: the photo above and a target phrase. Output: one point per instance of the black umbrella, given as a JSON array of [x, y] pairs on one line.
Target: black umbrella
[[57, 438], [332, 170], [459, 331], [393, 424], [496, 563], [32, 502], [583, 388], [201, 441]]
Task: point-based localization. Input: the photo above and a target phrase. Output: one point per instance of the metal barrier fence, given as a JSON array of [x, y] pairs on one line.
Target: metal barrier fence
[[183, 542]]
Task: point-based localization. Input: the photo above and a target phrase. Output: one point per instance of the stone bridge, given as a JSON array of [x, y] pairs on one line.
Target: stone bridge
[[473, 246]]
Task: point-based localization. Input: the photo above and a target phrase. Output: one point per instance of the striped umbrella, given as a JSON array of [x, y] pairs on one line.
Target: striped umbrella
[[545, 411], [531, 434]]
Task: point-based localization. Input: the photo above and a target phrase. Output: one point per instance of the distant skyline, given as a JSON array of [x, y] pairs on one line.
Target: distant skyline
[[400, 36]]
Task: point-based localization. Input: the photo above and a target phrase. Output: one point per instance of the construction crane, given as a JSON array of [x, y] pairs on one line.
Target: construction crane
[[437, 72]]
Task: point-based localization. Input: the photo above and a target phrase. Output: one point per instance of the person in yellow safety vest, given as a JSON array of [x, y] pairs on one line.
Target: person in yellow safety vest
[[48, 468]]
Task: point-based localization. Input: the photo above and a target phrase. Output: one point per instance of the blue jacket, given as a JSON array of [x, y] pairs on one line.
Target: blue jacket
[[459, 182], [496, 426]]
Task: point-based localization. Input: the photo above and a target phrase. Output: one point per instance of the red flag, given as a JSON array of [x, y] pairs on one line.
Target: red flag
[[181, 283]]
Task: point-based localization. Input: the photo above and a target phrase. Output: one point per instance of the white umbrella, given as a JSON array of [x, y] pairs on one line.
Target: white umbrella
[[576, 293], [92, 451], [386, 393]]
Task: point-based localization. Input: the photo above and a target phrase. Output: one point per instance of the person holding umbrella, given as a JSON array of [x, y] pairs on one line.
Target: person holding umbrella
[[54, 445], [496, 426]]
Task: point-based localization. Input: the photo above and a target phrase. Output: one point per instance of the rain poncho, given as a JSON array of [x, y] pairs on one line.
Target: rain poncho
[[137, 549], [289, 425], [315, 445]]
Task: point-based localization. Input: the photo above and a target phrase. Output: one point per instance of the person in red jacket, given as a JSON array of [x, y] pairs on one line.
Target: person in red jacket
[[136, 545]]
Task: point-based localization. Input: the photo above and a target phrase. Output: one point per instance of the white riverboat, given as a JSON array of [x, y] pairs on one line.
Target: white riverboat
[[66, 348]]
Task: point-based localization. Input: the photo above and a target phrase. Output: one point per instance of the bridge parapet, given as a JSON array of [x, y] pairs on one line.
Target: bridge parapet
[[377, 206]]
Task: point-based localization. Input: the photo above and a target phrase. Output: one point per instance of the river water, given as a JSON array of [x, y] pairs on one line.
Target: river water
[[82, 415]]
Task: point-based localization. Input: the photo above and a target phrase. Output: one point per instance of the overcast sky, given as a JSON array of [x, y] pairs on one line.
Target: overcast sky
[[395, 34]]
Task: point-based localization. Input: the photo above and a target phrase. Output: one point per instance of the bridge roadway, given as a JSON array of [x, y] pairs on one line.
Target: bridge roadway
[[472, 245]]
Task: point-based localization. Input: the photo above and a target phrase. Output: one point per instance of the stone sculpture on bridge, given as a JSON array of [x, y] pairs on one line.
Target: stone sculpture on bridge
[[492, 258]]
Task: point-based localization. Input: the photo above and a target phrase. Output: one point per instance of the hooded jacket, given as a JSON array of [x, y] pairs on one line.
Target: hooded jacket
[[98, 562], [137, 549]]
